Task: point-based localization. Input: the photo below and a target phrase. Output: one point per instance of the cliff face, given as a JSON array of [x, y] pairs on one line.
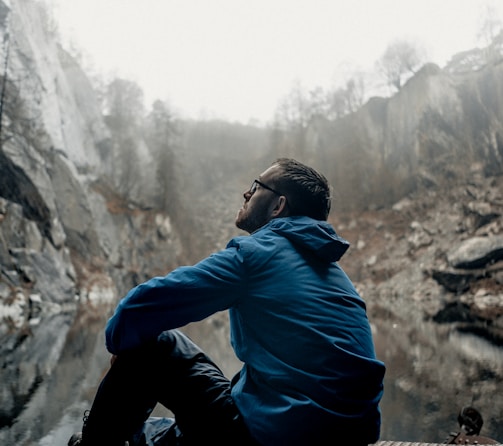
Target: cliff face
[[65, 239], [433, 131]]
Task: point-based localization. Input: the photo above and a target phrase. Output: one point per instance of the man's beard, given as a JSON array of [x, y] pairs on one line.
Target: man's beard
[[250, 220]]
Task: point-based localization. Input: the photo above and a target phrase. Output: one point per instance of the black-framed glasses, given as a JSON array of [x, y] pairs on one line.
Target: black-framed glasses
[[256, 183]]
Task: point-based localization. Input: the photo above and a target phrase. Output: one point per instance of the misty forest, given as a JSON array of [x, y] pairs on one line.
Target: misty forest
[[99, 192]]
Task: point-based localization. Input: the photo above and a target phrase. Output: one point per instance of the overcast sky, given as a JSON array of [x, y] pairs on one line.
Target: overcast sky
[[236, 59]]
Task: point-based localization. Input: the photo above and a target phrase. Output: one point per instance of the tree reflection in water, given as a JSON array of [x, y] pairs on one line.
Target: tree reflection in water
[[432, 371]]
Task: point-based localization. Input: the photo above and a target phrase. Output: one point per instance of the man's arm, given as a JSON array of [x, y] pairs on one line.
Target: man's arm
[[185, 295]]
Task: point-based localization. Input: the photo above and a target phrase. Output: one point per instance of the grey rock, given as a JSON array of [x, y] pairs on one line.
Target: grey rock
[[477, 252]]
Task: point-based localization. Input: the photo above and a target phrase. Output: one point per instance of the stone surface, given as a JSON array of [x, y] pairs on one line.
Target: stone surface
[[477, 252]]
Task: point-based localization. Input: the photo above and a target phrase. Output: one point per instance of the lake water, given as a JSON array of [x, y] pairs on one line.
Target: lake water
[[432, 371]]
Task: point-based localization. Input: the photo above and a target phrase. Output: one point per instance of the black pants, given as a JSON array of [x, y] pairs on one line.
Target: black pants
[[176, 373]]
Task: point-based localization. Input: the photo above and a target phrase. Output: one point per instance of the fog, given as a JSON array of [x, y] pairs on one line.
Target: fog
[[235, 60]]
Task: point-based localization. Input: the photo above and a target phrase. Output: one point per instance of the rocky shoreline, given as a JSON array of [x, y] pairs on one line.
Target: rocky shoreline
[[437, 256]]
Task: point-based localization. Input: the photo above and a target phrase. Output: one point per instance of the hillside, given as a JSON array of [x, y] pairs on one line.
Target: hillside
[[438, 328], [405, 254]]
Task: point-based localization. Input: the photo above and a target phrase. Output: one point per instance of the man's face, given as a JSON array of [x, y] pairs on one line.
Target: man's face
[[259, 203]]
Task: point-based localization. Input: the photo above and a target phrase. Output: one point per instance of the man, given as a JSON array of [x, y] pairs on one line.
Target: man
[[310, 375]]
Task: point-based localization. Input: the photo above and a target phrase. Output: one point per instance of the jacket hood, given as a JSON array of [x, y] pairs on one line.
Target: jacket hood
[[314, 235]]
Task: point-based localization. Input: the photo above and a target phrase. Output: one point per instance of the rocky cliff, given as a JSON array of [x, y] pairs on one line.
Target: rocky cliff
[[66, 240], [430, 133]]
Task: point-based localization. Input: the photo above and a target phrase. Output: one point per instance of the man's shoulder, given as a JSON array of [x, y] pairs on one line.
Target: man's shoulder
[[262, 239]]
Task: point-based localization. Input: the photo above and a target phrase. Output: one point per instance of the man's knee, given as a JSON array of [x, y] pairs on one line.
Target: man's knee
[[178, 345], [186, 359]]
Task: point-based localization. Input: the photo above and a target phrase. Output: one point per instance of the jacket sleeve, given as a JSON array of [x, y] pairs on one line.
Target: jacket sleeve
[[185, 295]]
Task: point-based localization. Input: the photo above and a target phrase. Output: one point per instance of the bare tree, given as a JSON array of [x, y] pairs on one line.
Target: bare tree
[[161, 134], [124, 102], [490, 25], [124, 111], [347, 99], [491, 34], [400, 59], [292, 117], [294, 109], [355, 88], [318, 103]]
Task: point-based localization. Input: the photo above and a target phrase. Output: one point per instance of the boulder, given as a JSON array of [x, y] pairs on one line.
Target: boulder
[[477, 252], [480, 213]]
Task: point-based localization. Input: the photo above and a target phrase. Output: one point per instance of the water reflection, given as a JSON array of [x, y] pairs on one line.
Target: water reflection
[[64, 362], [432, 371]]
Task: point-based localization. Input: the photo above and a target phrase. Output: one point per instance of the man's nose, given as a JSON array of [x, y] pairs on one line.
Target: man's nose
[[247, 194]]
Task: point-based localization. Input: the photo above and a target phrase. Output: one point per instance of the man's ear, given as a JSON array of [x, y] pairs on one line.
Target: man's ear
[[280, 209]]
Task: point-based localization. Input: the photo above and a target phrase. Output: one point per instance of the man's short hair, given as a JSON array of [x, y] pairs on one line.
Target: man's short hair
[[307, 191]]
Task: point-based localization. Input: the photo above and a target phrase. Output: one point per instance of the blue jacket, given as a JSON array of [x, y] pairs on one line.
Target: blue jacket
[[297, 323]]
